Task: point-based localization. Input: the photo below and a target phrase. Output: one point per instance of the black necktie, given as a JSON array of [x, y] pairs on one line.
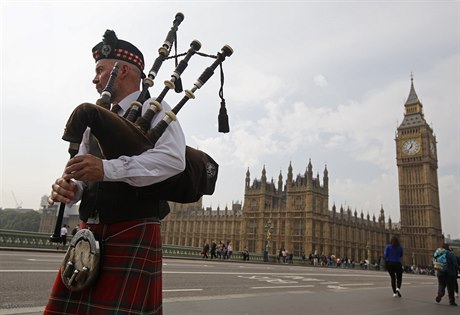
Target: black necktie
[[115, 108]]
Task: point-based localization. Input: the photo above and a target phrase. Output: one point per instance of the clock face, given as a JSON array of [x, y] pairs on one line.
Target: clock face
[[432, 148], [410, 147]]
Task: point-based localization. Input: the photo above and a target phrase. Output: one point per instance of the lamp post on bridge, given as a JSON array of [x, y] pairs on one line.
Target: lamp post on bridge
[[368, 247], [268, 243]]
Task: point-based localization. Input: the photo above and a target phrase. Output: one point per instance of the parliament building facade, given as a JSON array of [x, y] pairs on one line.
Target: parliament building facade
[[295, 213]]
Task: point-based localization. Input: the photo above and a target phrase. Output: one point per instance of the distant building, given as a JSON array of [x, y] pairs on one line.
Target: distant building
[[192, 225], [49, 217], [295, 214]]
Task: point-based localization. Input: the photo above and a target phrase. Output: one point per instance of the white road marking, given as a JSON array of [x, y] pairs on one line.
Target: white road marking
[[41, 260], [311, 279], [29, 271], [337, 287], [205, 272], [213, 297], [188, 265], [22, 310], [285, 287], [182, 290], [294, 277], [255, 267], [34, 254]]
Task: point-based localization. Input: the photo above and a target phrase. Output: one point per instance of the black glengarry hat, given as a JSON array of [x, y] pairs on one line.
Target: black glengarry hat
[[113, 48]]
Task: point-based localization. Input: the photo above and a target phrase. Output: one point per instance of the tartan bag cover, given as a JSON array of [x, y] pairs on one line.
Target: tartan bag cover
[[130, 280]]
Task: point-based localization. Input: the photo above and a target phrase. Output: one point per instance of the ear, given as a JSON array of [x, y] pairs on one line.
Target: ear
[[123, 71]]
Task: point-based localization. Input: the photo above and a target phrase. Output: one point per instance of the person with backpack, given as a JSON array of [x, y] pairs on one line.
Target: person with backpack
[[446, 266], [393, 254], [456, 281]]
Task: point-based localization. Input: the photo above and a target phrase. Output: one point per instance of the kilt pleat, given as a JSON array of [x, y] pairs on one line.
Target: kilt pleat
[[130, 280]]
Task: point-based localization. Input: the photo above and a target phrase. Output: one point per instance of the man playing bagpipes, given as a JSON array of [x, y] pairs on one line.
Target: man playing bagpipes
[[122, 216]]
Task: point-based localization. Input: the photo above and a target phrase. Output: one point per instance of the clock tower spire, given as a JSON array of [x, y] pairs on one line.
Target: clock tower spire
[[418, 183], [413, 104]]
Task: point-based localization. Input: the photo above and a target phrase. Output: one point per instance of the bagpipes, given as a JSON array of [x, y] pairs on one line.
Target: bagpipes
[[131, 135]]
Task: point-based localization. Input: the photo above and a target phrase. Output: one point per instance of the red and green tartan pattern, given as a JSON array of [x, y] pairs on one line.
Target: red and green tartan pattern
[[130, 281]]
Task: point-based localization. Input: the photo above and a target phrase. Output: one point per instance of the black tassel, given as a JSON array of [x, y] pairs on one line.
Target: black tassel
[[223, 118]]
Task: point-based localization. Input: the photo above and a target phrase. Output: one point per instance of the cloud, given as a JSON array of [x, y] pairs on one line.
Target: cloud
[[316, 80], [252, 86], [356, 137], [363, 128], [320, 80]]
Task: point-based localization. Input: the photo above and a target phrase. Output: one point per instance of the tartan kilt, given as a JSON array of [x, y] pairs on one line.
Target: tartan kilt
[[130, 279]]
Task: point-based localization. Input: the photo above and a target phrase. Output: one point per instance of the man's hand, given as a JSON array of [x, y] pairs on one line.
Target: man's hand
[[62, 191], [84, 168]]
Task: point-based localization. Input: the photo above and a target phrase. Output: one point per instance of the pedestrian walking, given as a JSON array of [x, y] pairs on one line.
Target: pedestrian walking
[[393, 254], [456, 278], [63, 233], [245, 254], [205, 250], [229, 249], [213, 250], [445, 263]]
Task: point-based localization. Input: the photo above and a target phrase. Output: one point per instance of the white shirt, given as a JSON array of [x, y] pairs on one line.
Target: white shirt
[[63, 231], [166, 159]]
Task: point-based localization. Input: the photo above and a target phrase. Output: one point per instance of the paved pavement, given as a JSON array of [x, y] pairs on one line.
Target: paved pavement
[[221, 287], [357, 302], [363, 301]]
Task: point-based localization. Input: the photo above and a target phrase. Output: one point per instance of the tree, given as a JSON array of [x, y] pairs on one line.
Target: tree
[[20, 221]]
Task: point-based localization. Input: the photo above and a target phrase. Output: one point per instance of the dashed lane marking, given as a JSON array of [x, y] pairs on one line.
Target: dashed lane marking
[[29, 271], [336, 287], [284, 287], [182, 290]]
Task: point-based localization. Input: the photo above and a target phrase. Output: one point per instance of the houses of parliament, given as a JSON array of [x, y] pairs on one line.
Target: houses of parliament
[[294, 213]]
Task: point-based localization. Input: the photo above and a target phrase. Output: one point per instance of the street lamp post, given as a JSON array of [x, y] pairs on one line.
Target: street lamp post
[[268, 244], [368, 247]]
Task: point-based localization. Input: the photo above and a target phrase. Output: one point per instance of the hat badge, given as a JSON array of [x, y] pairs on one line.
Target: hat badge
[[106, 50]]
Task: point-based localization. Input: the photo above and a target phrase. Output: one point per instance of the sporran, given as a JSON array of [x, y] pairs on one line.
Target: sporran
[[81, 264]]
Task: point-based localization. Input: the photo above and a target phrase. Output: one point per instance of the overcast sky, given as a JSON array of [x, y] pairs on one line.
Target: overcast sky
[[325, 81]]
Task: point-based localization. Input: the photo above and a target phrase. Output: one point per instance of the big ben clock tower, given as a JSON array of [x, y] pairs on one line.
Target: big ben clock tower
[[417, 165]]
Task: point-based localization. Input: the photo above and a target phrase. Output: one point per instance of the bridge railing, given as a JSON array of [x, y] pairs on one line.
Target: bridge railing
[[35, 240], [24, 239]]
